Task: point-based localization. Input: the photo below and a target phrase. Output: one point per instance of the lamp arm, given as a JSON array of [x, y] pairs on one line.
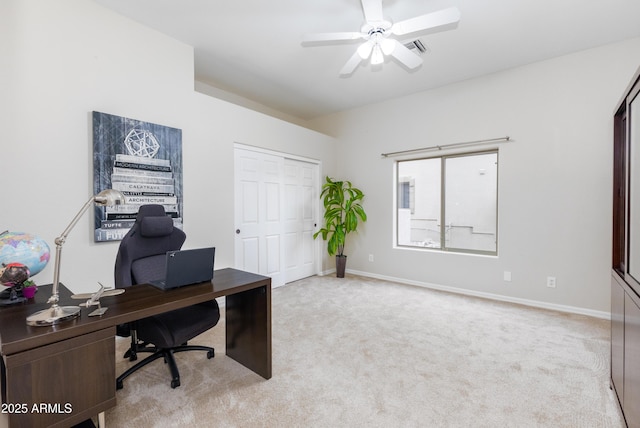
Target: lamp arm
[[60, 239], [55, 313], [59, 243]]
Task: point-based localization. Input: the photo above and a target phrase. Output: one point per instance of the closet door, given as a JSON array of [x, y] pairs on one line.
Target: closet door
[[276, 206], [258, 214], [300, 219]]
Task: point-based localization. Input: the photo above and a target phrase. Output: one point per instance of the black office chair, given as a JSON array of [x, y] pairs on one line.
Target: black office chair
[[140, 259]]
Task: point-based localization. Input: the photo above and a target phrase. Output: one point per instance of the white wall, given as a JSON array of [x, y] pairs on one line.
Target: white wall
[[63, 59], [555, 176]]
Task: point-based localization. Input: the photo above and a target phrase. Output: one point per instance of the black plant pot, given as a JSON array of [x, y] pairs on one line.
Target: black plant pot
[[341, 264]]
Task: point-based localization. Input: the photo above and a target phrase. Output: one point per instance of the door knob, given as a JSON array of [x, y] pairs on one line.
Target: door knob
[[237, 231]]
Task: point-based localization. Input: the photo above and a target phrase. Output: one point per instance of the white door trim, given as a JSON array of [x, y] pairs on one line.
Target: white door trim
[[277, 153]]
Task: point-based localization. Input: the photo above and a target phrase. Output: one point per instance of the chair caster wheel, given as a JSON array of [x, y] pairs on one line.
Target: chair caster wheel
[[175, 383], [119, 384], [210, 354]]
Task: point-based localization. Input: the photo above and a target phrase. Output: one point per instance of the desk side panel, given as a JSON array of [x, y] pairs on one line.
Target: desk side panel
[[248, 328]]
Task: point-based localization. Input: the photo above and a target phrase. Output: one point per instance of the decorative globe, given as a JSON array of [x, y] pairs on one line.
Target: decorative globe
[[19, 247]]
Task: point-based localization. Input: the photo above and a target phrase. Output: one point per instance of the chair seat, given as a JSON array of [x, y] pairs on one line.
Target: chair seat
[[177, 327]]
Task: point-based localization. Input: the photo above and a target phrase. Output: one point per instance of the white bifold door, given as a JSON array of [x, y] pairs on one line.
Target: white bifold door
[[276, 205]]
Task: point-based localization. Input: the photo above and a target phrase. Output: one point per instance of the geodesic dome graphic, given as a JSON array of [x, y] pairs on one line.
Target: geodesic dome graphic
[[141, 142]]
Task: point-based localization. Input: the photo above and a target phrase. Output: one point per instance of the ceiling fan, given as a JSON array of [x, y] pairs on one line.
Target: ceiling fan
[[378, 34]]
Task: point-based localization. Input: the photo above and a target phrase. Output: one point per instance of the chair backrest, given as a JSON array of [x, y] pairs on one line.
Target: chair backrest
[[141, 255]]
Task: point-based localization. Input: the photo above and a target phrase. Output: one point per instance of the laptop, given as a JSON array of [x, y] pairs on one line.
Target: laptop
[[186, 267]]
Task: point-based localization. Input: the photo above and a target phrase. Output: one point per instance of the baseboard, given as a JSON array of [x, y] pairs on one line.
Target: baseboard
[[526, 302], [221, 302]]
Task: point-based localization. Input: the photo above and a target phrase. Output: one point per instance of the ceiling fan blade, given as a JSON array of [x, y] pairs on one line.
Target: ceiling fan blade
[[351, 65], [430, 23], [330, 37], [372, 10], [405, 56]]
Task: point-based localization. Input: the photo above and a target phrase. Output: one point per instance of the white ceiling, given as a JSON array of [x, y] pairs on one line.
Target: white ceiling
[[252, 48]]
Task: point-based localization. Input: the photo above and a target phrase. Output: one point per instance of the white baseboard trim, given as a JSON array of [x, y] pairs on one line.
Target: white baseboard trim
[[526, 302], [327, 272]]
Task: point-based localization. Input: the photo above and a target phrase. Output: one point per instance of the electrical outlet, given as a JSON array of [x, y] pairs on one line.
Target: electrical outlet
[[507, 276], [370, 257], [551, 281]]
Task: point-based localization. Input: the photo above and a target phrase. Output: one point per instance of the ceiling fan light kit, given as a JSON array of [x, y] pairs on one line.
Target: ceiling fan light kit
[[377, 57], [378, 35]]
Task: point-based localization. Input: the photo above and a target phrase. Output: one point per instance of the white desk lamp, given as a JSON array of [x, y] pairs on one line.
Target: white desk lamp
[[56, 314]]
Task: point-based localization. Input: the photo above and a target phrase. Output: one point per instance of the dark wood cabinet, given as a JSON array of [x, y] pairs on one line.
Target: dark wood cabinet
[[625, 280], [617, 336], [631, 394], [44, 381]]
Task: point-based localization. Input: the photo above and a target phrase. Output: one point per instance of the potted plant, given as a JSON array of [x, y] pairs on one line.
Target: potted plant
[[342, 214], [29, 289]]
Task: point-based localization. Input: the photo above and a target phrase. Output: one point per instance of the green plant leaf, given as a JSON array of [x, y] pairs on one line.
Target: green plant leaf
[[343, 212]]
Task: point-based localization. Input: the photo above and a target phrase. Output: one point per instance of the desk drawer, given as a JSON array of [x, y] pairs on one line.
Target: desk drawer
[[63, 383]]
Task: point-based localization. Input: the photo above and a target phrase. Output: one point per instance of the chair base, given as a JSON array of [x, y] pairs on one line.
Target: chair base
[[132, 352], [167, 354]]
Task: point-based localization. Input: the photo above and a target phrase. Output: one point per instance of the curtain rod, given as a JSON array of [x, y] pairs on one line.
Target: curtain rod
[[467, 143]]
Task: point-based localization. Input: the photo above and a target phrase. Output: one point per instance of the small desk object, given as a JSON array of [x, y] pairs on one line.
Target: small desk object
[[61, 375]]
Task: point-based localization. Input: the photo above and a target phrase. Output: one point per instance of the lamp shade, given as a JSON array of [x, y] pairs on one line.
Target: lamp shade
[[364, 50], [388, 46], [377, 57], [108, 198]]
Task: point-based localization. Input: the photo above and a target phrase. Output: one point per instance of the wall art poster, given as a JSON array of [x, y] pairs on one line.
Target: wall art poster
[[143, 161]]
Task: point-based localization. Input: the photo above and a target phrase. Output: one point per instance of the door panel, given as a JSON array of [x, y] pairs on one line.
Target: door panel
[[631, 385], [257, 212], [301, 182], [250, 254], [617, 337]]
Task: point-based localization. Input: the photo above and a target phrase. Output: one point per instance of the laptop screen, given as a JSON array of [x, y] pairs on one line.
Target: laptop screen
[[185, 267]]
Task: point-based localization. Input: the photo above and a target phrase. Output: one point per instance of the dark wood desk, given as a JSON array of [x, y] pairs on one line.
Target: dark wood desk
[[67, 371]]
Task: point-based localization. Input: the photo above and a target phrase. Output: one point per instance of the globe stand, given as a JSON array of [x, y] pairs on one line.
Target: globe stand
[[9, 297]]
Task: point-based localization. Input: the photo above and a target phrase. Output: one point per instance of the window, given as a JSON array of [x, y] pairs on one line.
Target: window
[[462, 189]]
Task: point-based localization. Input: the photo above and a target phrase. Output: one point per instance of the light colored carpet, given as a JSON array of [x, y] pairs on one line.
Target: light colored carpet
[[359, 352]]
